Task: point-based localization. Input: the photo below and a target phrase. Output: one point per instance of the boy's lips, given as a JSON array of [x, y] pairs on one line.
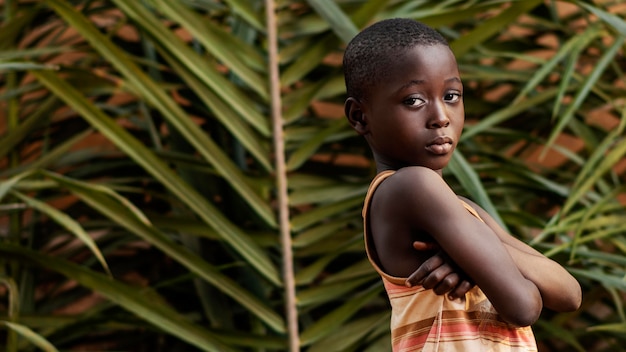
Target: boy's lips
[[440, 145]]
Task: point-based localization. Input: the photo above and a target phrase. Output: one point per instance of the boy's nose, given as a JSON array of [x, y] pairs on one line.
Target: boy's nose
[[439, 117]]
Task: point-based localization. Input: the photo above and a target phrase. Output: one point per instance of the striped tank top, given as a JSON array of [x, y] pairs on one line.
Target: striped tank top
[[424, 321]]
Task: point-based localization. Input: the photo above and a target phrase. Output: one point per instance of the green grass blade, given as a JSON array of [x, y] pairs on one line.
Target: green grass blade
[[7, 185], [586, 87], [614, 21], [508, 112], [565, 50], [244, 134], [31, 122], [147, 305], [470, 181], [158, 169], [335, 319], [565, 335], [197, 64], [219, 44], [308, 60], [30, 335], [593, 171], [350, 334], [125, 214], [301, 221], [164, 103], [340, 23], [492, 26], [68, 223], [605, 279], [244, 9], [304, 152]]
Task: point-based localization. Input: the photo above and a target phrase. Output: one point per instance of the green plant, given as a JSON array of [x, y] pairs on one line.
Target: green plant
[[142, 200]]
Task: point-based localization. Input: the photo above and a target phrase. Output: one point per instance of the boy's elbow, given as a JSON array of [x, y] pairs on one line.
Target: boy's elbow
[[523, 318], [568, 302], [573, 301], [525, 312]]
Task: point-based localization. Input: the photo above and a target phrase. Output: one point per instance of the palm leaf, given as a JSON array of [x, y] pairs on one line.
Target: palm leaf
[[30, 335], [147, 305], [161, 172], [108, 203], [157, 97]]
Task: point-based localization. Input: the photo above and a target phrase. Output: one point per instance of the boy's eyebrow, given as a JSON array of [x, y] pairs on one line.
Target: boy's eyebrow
[[417, 82]]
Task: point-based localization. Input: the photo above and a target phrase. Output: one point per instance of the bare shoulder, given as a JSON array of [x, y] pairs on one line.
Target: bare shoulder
[[412, 193], [409, 183], [392, 222]]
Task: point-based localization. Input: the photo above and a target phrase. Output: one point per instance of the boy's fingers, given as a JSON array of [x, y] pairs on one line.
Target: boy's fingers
[[424, 270], [440, 279], [425, 246], [447, 284], [461, 289]]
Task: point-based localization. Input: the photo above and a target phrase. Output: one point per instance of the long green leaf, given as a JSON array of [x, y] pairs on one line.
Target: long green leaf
[[153, 165], [304, 152], [351, 333], [219, 43], [587, 85], [147, 305], [604, 279], [492, 26], [579, 41], [618, 23], [68, 223], [508, 112], [340, 23], [333, 320], [244, 134], [30, 335], [472, 184], [591, 175], [236, 99], [32, 121], [125, 214], [307, 61], [163, 102]]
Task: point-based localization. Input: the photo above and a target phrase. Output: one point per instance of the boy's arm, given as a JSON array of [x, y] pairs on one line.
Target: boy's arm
[[559, 290], [420, 198]]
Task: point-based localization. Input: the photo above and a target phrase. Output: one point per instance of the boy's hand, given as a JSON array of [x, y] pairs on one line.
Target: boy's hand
[[439, 273]]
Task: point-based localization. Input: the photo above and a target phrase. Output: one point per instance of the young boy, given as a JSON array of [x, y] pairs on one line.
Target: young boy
[[405, 96]]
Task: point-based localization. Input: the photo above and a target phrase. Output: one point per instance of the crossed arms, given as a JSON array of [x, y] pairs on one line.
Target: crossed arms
[[417, 200]]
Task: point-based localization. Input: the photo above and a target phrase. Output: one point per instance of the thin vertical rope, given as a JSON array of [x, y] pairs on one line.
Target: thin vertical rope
[[281, 179]]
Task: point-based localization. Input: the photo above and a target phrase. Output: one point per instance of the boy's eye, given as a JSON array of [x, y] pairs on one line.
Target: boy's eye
[[452, 97], [414, 102]]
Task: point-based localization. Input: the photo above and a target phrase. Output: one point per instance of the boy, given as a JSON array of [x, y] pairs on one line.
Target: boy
[[405, 96]]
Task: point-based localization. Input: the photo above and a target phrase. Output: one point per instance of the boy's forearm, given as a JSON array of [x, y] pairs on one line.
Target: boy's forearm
[[559, 290]]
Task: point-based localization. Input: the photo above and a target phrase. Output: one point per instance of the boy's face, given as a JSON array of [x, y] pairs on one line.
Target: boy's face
[[415, 115]]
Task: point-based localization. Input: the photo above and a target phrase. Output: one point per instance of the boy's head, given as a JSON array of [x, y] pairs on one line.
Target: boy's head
[[375, 48], [405, 94]]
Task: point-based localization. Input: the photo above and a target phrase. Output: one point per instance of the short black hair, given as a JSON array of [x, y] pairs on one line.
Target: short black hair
[[374, 48]]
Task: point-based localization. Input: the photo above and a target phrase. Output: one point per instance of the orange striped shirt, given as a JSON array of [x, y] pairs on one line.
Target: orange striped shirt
[[424, 321]]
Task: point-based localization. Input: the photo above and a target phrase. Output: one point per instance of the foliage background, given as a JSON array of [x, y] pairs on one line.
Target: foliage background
[[143, 177]]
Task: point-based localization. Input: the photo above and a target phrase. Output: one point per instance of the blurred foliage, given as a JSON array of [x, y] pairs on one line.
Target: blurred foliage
[[138, 189]]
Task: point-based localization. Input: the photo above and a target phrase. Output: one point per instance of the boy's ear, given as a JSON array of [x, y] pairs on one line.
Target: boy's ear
[[356, 116]]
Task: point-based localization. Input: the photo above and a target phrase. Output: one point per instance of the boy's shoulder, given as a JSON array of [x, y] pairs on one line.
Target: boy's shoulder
[[413, 179], [410, 189]]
